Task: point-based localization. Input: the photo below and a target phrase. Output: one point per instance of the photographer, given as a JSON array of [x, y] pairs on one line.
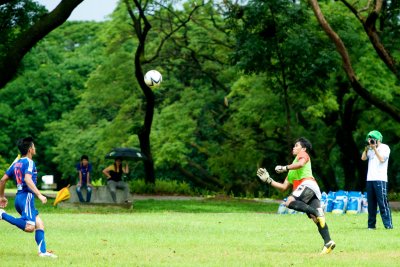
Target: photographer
[[377, 154]]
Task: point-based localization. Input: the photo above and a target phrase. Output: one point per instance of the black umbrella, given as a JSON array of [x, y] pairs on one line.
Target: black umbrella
[[125, 153]]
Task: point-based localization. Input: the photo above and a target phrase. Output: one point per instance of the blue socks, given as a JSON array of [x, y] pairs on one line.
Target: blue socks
[[17, 222], [39, 234], [39, 237]]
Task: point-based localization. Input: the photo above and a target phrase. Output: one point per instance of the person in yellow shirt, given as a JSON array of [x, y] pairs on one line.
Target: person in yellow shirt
[[114, 179]]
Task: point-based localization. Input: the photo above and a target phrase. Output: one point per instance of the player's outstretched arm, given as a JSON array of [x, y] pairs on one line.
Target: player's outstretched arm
[[282, 186], [293, 166], [3, 182], [3, 199], [281, 169], [264, 176]]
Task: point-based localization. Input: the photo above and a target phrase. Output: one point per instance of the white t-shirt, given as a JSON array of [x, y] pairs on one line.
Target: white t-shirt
[[377, 171]]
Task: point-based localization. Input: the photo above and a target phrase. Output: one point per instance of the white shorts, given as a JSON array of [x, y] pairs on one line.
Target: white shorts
[[312, 184]]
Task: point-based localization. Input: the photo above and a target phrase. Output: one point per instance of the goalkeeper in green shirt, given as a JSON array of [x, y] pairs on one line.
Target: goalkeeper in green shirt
[[306, 194]]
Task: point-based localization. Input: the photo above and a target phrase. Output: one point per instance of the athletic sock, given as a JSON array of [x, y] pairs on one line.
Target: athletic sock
[[324, 232], [301, 206], [14, 221], [39, 238]]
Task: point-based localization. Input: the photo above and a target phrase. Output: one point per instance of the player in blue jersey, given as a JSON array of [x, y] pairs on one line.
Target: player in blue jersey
[[24, 172]]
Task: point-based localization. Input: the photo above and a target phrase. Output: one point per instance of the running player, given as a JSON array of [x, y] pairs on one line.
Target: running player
[[25, 174]]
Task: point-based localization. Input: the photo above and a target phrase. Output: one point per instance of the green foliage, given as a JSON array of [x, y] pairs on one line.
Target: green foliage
[[161, 187], [370, 70], [109, 110], [4, 166], [175, 146], [54, 75], [297, 58], [97, 182], [3, 163], [394, 196], [15, 18]]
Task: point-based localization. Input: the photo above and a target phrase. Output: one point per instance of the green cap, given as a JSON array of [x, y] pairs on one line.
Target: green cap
[[375, 135]]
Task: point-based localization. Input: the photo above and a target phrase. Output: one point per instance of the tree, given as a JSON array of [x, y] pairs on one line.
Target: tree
[[55, 72], [390, 109], [276, 39], [141, 26], [33, 24], [213, 121], [266, 42], [386, 14]]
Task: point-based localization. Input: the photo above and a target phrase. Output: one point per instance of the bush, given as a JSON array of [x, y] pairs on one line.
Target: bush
[[394, 196], [161, 187], [98, 182]]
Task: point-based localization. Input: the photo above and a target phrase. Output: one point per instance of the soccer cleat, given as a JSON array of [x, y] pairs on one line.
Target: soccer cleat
[[328, 247], [1, 213], [47, 254], [321, 217]]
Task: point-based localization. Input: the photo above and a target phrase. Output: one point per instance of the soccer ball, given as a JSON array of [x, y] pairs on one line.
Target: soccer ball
[[153, 78]]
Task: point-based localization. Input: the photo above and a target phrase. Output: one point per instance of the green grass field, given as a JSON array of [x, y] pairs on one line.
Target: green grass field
[[197, 233]]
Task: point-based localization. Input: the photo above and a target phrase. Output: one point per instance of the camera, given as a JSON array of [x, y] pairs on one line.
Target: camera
[[372, 141]]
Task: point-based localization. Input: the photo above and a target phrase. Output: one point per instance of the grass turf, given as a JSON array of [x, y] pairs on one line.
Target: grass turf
[[198, 233]]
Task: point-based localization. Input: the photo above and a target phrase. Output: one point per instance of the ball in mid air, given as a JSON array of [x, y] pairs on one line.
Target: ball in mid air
[[153, 78]]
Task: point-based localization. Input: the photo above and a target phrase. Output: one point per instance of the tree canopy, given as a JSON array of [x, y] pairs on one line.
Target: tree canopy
[[240, 84]]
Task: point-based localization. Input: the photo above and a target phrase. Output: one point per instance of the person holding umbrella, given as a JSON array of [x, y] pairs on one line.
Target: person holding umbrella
[[114, 178]]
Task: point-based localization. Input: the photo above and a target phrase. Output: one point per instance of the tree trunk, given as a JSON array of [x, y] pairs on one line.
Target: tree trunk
[[141, 27], [349, 151], [144, 135], [144, 139]]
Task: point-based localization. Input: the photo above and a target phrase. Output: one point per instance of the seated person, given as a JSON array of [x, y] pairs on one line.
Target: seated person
[[84, 169], [114, 179]]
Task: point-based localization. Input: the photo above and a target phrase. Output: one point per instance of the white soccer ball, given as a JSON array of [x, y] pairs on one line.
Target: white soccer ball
[[153, 78]]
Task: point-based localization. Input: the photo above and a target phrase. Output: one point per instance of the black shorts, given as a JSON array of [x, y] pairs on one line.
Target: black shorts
[[303, 193], [306, 195]]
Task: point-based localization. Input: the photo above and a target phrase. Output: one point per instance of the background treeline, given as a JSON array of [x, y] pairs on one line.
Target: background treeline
[[241, 83]]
